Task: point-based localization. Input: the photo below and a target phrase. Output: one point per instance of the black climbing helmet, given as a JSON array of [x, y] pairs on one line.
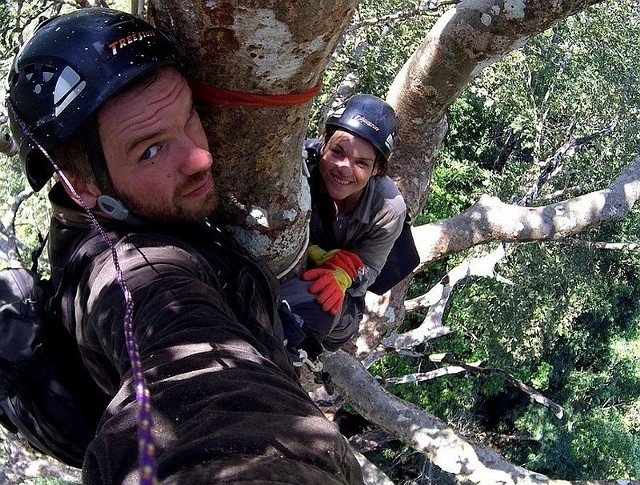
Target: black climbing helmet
[[70, 66], [369, 117]]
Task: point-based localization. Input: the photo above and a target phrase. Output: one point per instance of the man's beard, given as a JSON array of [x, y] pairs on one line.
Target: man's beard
[[176, 212]]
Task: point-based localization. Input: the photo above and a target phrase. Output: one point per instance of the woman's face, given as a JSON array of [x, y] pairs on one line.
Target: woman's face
[[346, 165]]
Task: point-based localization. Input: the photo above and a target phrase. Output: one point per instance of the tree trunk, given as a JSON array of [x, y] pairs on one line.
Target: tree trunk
[[270, 48]]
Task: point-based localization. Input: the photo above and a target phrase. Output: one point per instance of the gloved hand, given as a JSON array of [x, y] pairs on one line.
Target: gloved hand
[[316, 256], [335, 273], [329, 287], [347, 260], [341, 258]]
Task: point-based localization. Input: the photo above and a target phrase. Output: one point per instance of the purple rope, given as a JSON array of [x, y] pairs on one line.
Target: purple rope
[[147, 468]]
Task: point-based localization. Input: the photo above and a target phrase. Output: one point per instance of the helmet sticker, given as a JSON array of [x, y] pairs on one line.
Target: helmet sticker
[[129, 39], [68, 87], [365, 121]]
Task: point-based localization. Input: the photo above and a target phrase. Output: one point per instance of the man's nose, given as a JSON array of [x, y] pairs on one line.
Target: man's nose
[[196, 157]]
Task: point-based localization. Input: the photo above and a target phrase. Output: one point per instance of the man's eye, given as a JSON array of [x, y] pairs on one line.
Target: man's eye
[[150, 152]]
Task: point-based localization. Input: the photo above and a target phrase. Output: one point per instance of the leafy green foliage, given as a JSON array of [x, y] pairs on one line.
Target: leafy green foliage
[[374, 49], [568, 325]]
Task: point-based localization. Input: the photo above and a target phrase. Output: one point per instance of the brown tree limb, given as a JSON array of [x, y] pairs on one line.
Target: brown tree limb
[[435, 300], [463, 41], [470, 462]]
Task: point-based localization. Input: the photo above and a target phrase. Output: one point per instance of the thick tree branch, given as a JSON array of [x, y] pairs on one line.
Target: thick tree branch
[[471, 463], [436, 301], [424, 432], [465, 39], [489, 219]]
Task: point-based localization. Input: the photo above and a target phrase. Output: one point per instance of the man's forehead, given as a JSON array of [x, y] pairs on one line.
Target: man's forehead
[[146, 112], [162, 79]]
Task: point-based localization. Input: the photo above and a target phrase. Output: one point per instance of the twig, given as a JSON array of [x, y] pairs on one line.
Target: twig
[[535, 395]]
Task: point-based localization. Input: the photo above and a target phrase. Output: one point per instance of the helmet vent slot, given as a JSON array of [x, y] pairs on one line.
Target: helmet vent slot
[[29, 71], [68, 87]]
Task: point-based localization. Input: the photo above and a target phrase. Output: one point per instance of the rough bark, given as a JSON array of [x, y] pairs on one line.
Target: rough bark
[[259, 47]]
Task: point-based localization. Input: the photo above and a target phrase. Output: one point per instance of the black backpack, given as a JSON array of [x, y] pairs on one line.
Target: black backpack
[[46, 393]]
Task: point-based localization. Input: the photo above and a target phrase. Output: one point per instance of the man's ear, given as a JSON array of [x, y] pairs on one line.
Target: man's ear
[[87, 191]]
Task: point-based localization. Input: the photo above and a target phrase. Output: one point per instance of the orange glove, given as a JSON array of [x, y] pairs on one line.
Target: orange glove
[[316, 256], [333, 277], [348, 261], [329, 287]]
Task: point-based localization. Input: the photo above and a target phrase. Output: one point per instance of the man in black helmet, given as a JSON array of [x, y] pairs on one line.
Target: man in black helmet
[[357, 215], [164, 310]]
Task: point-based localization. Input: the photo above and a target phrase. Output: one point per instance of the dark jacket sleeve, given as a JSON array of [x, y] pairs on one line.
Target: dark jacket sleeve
[[223, 411]]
